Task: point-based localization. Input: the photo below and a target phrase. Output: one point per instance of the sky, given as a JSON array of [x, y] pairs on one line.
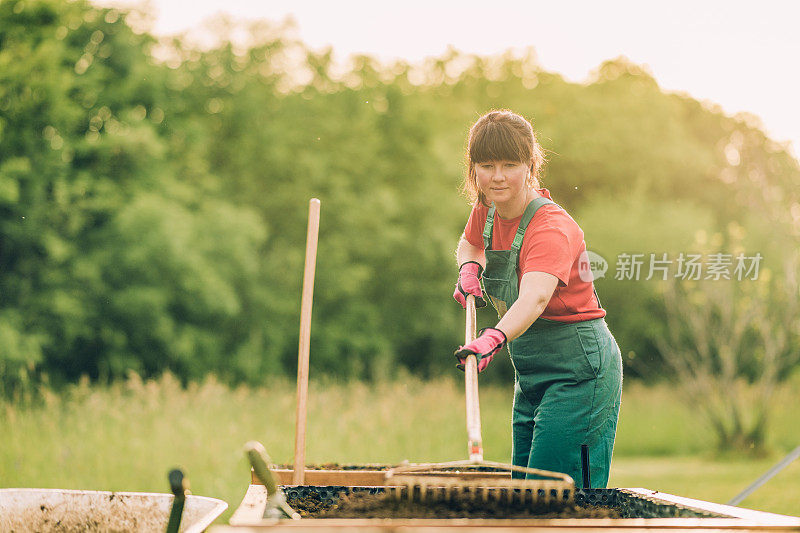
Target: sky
[[739, 54]]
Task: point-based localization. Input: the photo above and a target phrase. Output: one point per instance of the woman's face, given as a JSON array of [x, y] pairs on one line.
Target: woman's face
[[502, 181]]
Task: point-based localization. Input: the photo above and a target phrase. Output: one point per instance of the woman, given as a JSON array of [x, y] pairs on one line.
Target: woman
[[567, 365]]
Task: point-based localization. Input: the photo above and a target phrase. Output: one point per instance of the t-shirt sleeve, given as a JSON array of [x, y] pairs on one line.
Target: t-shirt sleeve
[[475, 224], [551, 244]]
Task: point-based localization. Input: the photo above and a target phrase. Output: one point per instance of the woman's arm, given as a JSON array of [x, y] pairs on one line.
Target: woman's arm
[[535, 291], [467, 252]]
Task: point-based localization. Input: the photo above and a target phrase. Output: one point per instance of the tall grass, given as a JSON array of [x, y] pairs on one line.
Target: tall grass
[[126, 436]]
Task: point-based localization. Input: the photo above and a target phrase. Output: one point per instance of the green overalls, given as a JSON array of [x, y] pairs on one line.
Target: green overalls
[[568, 376]]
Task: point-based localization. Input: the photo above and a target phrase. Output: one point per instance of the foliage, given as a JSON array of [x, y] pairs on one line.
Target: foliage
[[612, 227], [153, 195], [730, 342], [726, 355], [108, 263]]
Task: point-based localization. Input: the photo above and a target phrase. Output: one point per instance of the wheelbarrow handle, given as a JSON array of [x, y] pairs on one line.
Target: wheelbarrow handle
[[179, 486], [276, 499], [259, 460]]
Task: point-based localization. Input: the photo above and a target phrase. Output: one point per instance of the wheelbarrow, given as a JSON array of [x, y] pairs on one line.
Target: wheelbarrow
[[41, 510]]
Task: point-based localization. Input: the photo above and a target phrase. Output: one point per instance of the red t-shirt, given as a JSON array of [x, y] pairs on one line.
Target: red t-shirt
[[553, 243]]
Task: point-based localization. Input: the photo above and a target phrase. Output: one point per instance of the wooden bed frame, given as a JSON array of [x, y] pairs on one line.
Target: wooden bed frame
[[249, 515]]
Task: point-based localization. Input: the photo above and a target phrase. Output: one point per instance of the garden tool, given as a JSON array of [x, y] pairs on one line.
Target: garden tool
[[312, 235], [276, 499], [180, 488], [441, 481]]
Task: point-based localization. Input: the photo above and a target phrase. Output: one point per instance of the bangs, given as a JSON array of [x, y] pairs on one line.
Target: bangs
[[497, 141]]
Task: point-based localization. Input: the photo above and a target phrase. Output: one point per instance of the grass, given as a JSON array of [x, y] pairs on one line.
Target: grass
[[128, 435], [712, 480]]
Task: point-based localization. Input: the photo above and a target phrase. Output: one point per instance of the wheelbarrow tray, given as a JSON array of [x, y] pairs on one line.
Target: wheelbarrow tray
[[88, 510]]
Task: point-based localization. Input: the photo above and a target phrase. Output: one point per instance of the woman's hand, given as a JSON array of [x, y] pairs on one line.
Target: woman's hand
[[469, 282], [489, 342]]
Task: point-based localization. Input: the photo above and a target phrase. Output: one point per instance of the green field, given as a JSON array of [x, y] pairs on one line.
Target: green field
[[127, 436]]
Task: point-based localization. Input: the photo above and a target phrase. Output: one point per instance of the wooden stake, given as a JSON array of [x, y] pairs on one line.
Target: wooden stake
[[305, 340]]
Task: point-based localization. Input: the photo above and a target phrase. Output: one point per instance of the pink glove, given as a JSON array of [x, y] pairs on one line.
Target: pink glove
[[489, 342], [469, 282]]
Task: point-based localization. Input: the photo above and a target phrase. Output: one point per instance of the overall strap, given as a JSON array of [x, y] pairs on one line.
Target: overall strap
[[597, 297], [527, 216], [487, 229]]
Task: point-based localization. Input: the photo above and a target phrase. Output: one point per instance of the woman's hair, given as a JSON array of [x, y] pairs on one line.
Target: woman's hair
[[501, 136]]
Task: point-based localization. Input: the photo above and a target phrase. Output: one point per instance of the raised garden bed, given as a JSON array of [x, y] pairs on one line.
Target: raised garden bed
[[344, 502]]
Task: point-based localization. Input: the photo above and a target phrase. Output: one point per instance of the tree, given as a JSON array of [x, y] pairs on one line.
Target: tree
[[729, 343], [107, 261], [728, 348]]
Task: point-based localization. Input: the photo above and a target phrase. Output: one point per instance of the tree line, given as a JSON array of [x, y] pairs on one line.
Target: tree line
[[153, 196]]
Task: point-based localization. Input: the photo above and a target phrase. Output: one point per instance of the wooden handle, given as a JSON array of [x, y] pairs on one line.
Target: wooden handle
[[298, 477], [475, 444], [469, 334]]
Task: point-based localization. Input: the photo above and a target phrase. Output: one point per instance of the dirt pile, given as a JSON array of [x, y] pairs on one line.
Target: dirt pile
[[76, 519], [365, 505]]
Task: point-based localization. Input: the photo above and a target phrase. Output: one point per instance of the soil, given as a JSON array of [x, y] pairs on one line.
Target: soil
[[382, 505], [310, 506], [74, 520], [115, 513], [366, 505]]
